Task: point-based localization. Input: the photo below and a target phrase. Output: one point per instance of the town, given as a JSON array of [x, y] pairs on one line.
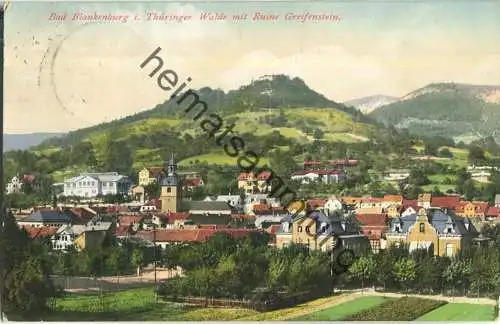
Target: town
[[454, 221], [347, 170]]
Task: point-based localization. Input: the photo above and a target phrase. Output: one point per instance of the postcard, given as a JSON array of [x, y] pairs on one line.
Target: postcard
[[250, 160]]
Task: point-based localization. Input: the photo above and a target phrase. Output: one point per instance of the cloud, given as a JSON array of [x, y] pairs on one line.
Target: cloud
[[330, 70]]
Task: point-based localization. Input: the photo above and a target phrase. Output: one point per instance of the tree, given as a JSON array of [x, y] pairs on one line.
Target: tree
[[26, 275], [137, 260], [405, 272], [384, 268], [431, 149], [318, 134], [152, 190], [458, 274], [363, 269], [469, 190], [446, 153], [476, 155], [116, 261], [118, 157], [276, 274]]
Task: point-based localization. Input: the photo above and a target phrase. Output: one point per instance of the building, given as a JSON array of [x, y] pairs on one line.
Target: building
[[397, 175], [252, 183], [447, 202], [14, 185], [374, 227], [52, 218], [171, 189], [391, 200], [433, 229], [481, 173], [319, 175], [319, 231], [90, 185], [497, 200], [192, 181], [472, 209], [166, 237], [207, 207], [150, 175], [78, 236], [424, 200], [36, 183], [235, 201]]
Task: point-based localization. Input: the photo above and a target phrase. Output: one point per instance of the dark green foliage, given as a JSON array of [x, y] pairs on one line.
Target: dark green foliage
[[27, 287], [402, 309]]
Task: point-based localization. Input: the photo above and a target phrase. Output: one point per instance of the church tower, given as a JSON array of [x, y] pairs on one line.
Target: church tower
[[171, 188]]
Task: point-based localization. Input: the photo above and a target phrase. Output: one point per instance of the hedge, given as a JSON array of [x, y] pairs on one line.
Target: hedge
[[402, 309]]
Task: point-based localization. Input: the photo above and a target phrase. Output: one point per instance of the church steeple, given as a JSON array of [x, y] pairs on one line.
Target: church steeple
[[171, 188], [171, 166]]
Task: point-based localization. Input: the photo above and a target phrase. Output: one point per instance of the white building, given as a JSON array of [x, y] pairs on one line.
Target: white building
[[332, 205], [480, 176], [325, 176], [66, 234], [15, 185], [95, 184], [397, 175]]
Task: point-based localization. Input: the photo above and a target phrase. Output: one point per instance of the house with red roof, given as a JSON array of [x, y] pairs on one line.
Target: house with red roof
[[164, 237], [371, 202], [252, 182], [493, 213], [477, 209], [373, 226], [191, 182], [40, 232], [446, 202]]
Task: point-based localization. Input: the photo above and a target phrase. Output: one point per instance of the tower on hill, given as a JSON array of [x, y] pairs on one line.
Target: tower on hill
[[171, 188]]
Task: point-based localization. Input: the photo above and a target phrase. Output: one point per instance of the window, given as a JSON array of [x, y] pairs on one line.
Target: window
[[397, 228], [299, 229], [422, 227], [307, 229], [169, 189]]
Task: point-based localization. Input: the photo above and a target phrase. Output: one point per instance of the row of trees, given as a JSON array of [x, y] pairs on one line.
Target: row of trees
[[227, 268], [473, 272]]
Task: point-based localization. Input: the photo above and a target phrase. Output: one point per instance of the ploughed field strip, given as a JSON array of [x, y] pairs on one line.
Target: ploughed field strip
[[299, 310], [402, 309], [461, 312]]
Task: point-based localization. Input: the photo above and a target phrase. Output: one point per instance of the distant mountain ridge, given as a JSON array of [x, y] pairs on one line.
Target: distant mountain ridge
[[25, 141], [447, 109], [368, 104]]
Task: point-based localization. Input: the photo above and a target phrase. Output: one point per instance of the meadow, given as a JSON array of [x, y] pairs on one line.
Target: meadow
[[140, 305]]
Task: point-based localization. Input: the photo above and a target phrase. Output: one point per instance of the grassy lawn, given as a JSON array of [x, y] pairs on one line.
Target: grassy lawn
[[345, 309], [135, 305], [461, 312]]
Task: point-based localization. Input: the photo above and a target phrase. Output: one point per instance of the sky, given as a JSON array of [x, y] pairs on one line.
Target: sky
[[65, 75]]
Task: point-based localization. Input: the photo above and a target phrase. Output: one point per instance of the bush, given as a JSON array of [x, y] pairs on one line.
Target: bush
[[403, 309]]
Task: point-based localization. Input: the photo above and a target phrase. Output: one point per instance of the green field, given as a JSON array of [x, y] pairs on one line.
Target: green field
[[220, 158], [345, 309], [139, 305], [134, 305], [461, 312]]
